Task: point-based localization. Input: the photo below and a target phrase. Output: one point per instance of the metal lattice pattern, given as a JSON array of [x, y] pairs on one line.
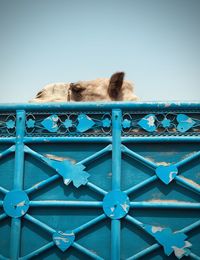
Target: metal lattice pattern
[[115, 204]]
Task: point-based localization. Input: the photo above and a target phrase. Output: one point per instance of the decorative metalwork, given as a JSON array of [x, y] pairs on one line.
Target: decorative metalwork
[[170, 123], [64, 167], [63, 240], [116, 204], [7, 125], [68, 124]]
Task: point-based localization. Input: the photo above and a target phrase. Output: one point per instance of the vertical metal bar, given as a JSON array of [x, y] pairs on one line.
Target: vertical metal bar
[[116, 179], [116, 152], [18, 183]]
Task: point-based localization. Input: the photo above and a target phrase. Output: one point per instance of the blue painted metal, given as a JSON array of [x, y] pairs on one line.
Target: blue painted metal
[[16, 203], [100, 181], [116, 204]]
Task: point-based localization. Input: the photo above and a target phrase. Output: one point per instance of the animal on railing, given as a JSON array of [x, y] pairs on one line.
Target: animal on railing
[[113, 89]]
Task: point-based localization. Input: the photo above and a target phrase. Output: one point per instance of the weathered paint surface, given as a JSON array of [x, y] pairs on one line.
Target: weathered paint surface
[[116, 204], [121, 146], [166, 173], [16, 203], [171, 241], [63, 240], [69, 172]]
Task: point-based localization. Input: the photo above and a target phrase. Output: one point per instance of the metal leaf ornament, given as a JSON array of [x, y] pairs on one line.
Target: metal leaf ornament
[[171, 241], [70, 172], [50, 123], [148, 123]]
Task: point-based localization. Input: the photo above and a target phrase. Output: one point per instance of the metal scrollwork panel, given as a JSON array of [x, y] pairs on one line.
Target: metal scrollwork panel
[[7, 125], [161, 123], [68, 124]]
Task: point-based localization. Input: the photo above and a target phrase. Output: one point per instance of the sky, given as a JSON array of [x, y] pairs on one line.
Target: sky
[[155, 42]]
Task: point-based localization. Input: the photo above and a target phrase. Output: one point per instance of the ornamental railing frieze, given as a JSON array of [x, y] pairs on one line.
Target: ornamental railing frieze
[[89, 124]]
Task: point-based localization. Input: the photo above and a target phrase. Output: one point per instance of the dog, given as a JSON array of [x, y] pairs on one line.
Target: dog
[[113, 89]]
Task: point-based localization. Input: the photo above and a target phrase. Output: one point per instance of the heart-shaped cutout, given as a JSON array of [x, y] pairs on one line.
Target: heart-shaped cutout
[[184, 123], [166, 173], [84, 123], [63, 240], [148, 123], [50, 123]]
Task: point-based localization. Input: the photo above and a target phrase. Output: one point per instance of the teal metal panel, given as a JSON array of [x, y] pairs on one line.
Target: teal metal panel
[[100, 181]]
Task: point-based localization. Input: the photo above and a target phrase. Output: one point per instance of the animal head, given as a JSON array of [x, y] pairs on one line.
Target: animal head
[[113, 89]]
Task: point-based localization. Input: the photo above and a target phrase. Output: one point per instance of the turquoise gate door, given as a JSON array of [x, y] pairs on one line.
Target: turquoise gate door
[[100, 181]]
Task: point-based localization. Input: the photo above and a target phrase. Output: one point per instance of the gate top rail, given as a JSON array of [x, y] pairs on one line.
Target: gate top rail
[[168, 105]]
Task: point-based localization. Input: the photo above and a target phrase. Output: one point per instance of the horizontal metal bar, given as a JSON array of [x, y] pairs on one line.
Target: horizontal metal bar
[[42, 184], [164, 204], [188, 159], [80, 106], [161, 139], [108, 139], [141, 185], [7, 140], [64, 203], [7, 151], [86, 251], [39, 223], [3, 216], [78, 139], [190, 185], [89, 224], [38, 251], [138, 157]]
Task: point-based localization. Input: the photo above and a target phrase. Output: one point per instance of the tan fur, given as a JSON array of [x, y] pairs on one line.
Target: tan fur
[[93, 90]]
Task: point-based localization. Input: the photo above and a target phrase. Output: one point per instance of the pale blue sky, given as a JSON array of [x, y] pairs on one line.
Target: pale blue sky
[[156, 42]]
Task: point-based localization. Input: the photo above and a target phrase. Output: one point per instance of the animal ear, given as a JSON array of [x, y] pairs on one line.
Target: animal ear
[[39, 94], [115, 84]]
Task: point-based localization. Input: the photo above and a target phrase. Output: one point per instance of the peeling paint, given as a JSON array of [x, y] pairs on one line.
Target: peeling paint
[[156, 229], [59, 158], [63, 240], [151, 159], [125, 207], [163, 163], [171, 241], [70, 172], [21, 204], [116, 204], [166, 173], [180, 252]]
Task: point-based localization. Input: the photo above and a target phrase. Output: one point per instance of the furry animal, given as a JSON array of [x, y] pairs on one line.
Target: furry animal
[[113, 89]]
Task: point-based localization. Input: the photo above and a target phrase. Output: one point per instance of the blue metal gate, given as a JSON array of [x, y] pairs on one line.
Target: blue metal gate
[[100, 181]]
